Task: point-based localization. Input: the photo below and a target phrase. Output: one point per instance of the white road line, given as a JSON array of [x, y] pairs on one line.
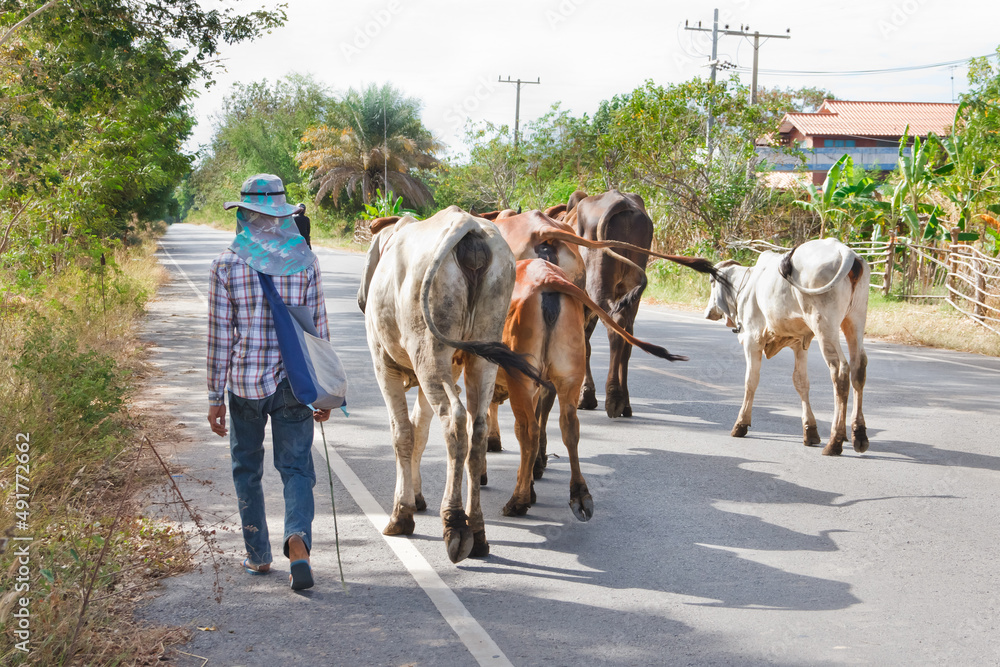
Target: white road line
[[476, 639], [197, 291], [922, 357]]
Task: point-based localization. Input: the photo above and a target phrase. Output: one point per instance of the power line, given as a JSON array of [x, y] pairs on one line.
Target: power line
[[864, 72]]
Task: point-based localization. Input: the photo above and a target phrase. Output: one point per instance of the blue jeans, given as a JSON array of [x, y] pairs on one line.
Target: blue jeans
[[292, 436]]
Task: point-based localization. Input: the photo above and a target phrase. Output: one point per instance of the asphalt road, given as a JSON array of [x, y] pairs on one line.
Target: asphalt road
[[703, 550]]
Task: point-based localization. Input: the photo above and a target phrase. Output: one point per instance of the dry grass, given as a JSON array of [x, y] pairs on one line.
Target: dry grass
[[934, 325], [93, 553]]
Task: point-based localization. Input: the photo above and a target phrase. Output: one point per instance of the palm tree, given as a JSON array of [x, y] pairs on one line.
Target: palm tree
[[373, 139]]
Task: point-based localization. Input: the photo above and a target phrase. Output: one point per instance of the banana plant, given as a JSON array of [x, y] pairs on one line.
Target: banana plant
[[847, 197], [821, 202], [917, 177], [968, 179], [383, 206]]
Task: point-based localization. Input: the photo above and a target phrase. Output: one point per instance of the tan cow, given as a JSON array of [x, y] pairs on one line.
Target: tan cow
[[545, 322], [432, 290], [817, 289], [534, 234]]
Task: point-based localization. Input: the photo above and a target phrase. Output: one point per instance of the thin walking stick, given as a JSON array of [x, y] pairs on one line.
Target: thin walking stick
[[333, 504]]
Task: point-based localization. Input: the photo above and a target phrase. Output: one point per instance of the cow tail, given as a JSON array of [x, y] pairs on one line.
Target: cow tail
[[493, 351], [846, 265], [860, 276], [553, 280], [631, 298]]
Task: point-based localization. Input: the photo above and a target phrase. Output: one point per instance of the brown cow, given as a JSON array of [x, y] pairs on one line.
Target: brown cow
[[545, 323], [534, 234], [615, 285]]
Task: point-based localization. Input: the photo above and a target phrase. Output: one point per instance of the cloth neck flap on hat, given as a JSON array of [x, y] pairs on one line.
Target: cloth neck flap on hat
[[270, 245]]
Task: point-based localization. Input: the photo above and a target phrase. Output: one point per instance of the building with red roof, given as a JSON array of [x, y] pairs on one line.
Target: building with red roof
[[868, 131]]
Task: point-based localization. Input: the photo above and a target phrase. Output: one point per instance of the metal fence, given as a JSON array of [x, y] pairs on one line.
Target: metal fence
[[960, 274]]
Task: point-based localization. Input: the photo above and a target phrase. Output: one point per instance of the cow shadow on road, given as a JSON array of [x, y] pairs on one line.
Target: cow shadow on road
[[670, 535]]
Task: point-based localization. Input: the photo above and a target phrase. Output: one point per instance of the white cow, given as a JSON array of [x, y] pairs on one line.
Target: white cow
[[434, 290], [819, 288]]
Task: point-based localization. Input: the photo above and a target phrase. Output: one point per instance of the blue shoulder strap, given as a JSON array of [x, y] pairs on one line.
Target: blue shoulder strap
[[288, 342]]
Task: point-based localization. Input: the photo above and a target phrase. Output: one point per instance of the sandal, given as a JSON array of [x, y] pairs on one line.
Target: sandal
[[301, 576], [256, 570]]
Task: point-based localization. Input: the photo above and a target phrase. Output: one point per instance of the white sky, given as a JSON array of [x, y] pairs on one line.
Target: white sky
[[449, 53]]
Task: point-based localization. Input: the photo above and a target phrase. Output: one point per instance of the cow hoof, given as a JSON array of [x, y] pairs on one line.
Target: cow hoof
[[514, 508], [458, 538], [399, 526], [480, 547], [614, 405], [493, 444], [810, 436], [835, 447], [421, 503], [539, 468], [860, 438], [588, 401], [483, 479], [459, 543], [627, 411], [582, 506], [739, 430]]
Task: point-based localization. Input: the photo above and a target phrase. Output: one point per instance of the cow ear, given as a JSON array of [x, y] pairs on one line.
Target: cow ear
[[728, 262], [555, 211], [492, 215], [378, 224], [575, 199]]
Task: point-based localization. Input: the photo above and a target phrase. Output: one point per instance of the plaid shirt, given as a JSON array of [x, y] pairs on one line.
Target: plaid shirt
[[242, 343]]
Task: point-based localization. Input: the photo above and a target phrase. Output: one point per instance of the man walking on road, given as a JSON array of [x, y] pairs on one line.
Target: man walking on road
[[243, 354], [302, 222]]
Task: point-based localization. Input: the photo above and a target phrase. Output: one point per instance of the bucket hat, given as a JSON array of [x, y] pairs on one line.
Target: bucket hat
[[263, 193], [267, 238]]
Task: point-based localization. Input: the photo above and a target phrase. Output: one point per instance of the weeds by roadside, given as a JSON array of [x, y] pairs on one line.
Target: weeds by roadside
[[79, 552]]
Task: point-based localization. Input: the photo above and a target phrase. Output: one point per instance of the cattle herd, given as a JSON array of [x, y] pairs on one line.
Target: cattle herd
[[509, 301]]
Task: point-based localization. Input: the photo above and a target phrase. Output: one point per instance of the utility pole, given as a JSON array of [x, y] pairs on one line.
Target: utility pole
[[517, 105], [744, 31], [756, 47], [713, 63]]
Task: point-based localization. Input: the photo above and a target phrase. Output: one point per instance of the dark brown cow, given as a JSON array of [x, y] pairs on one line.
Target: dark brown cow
[[545, 323], [616, 286]]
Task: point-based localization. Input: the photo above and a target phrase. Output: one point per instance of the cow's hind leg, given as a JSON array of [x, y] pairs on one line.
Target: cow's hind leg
[[840, 375], [615, 400], [752, 353], [404, 503], [580, 500], [444, 399], [421, 419], [859, 365], [566, 376], [588, 399], [542, 415], [493, 436], [628, 323], [523, 398], [800, 378], [480, 377]]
